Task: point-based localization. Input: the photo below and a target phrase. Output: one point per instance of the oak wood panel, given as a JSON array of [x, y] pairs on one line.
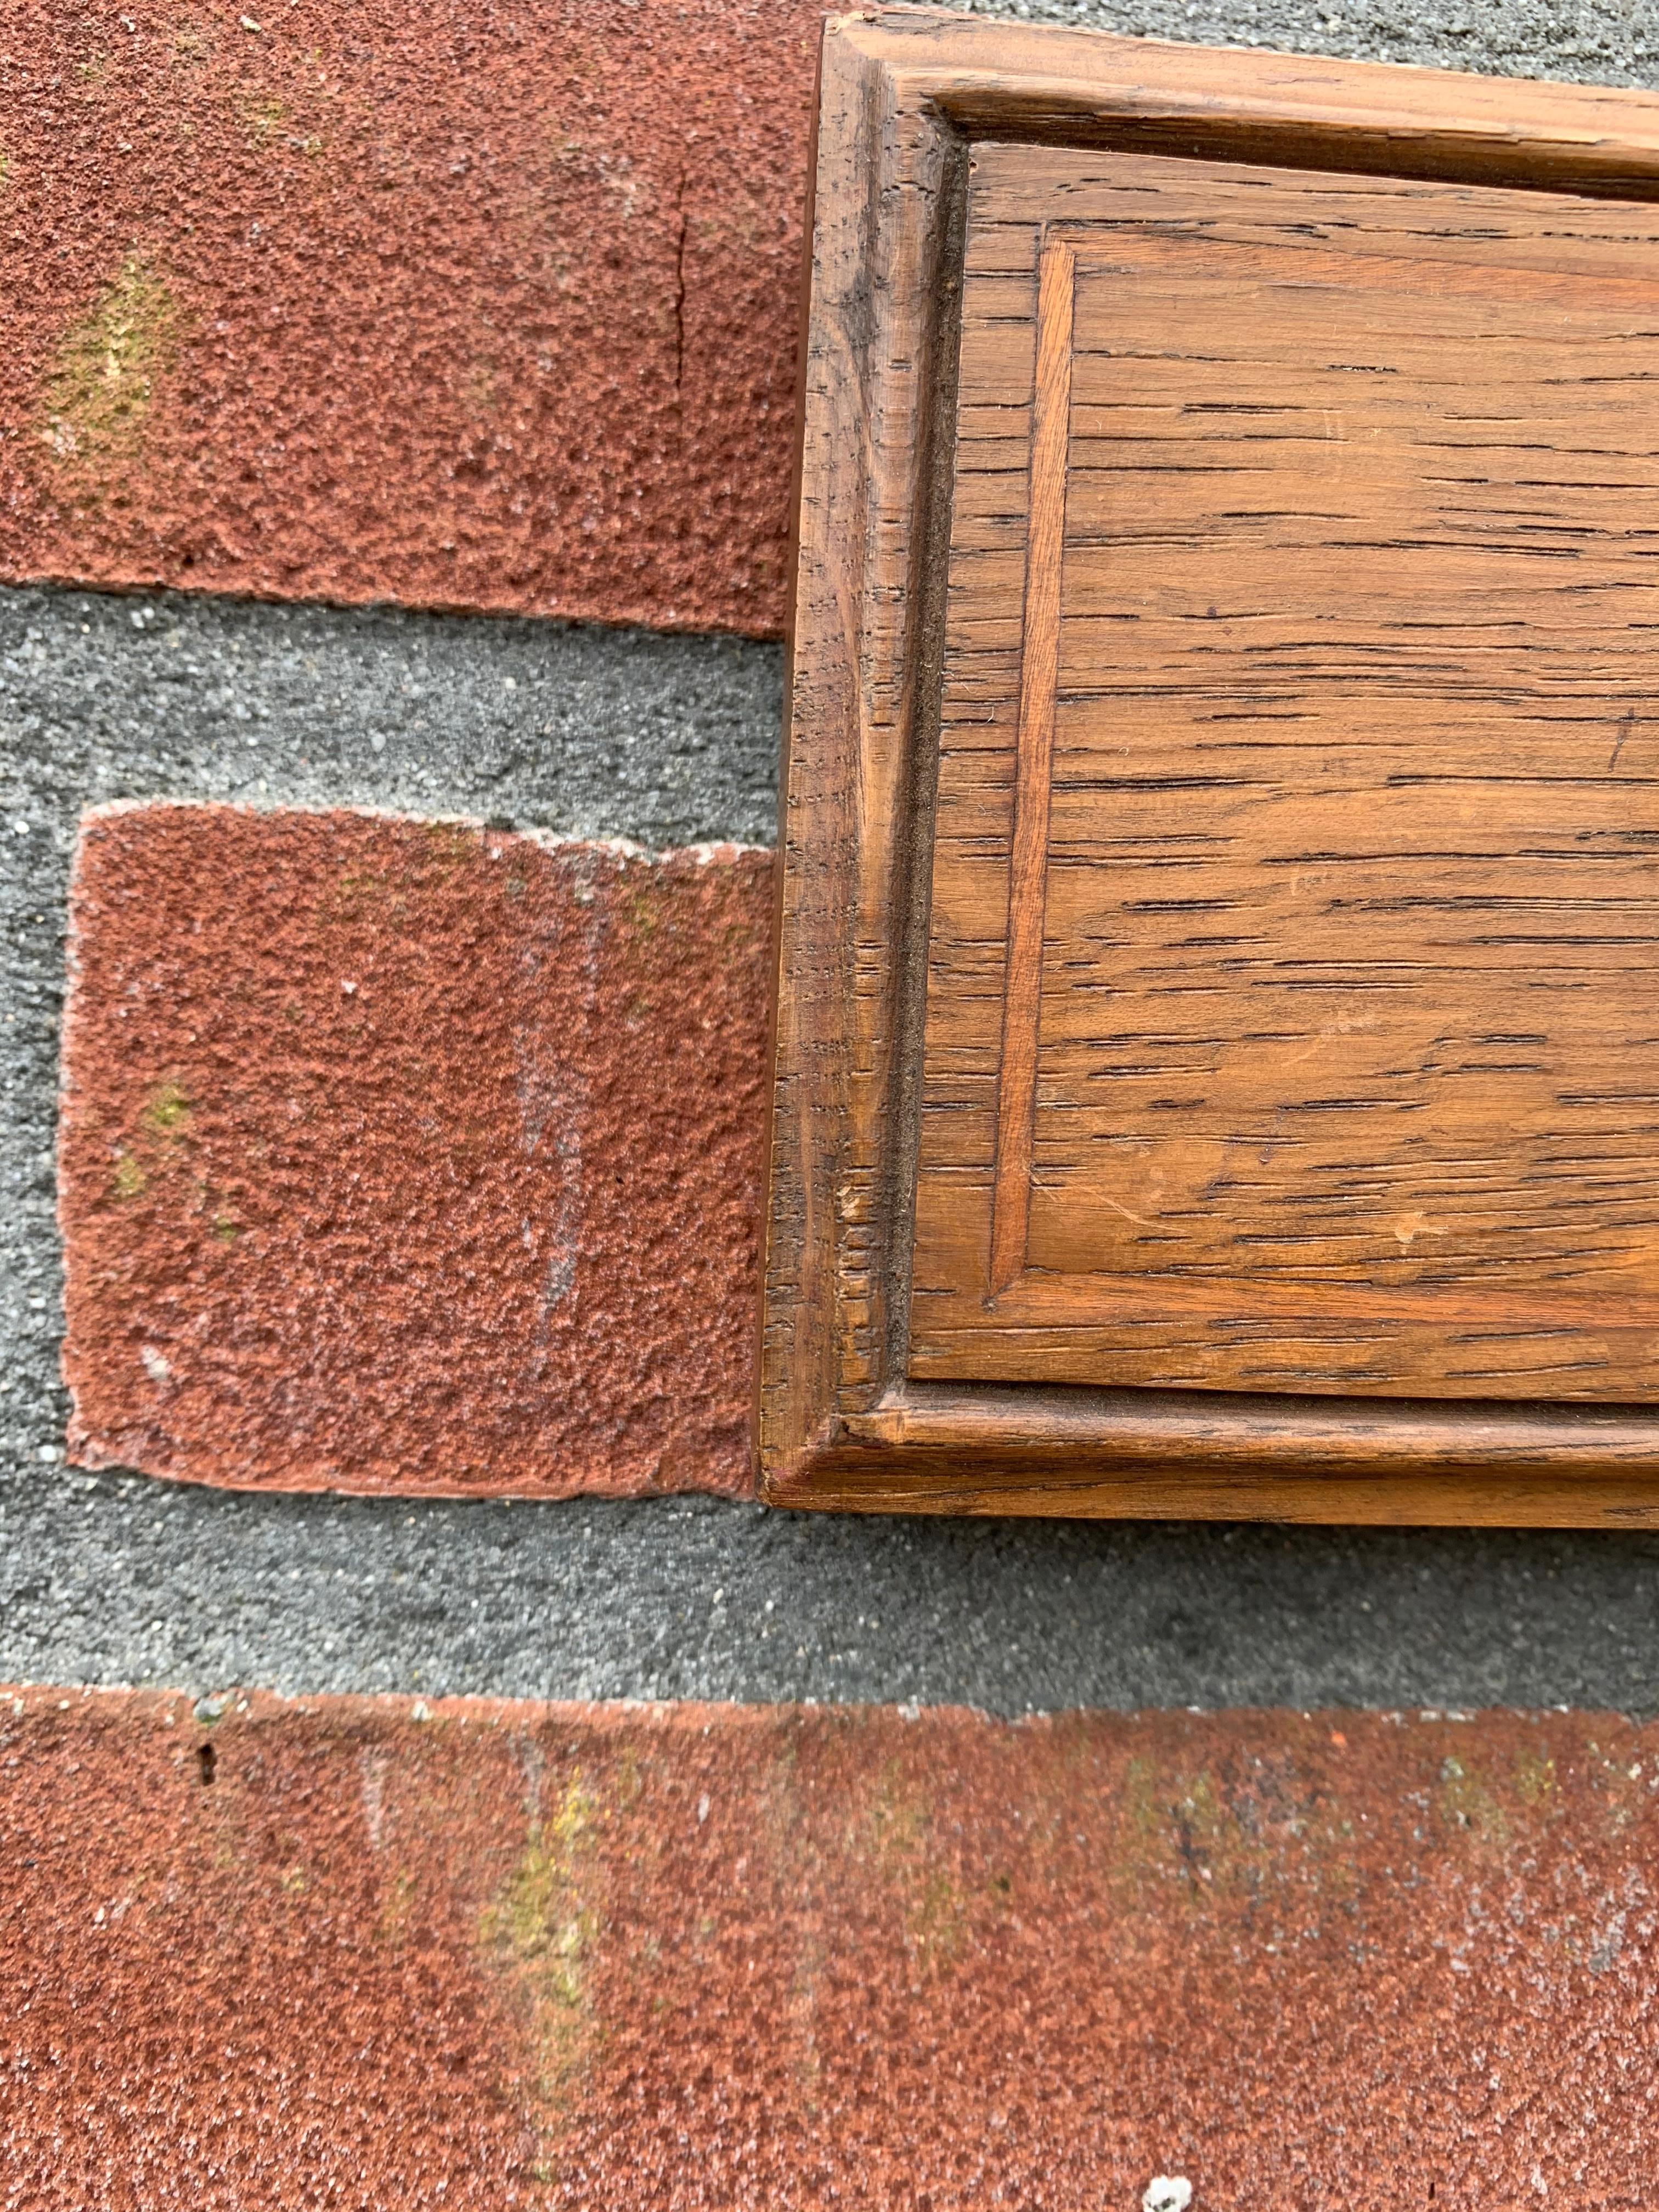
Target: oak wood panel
[[896, 369], [1347, 1062]]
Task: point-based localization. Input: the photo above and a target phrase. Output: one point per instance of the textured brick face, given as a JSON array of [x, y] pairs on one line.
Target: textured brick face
[[409, 1156], [414, 300], [769, 1961]]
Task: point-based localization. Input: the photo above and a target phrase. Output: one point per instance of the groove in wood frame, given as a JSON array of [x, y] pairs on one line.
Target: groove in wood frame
[[926, 591], [1039, 679]]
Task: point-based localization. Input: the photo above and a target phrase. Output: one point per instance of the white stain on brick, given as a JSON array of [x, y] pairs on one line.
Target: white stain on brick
[[1166, 2192], [371, 1767]]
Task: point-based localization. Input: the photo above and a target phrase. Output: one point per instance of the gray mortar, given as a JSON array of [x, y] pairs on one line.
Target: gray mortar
[[1589, 41], [116, 1579], [112, 1579]]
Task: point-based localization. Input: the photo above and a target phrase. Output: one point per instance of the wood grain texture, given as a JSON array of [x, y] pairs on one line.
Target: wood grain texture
[[873, 381], [1339, 1143], [1348, 1076], [974, 1449]]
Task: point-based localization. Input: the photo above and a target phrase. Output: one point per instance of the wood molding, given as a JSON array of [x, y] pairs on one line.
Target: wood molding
[[1039, 681], [932, 1339]]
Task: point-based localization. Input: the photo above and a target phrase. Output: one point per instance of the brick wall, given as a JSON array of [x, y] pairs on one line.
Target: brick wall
[[408, 1155], [420, 301], [442, 1783]]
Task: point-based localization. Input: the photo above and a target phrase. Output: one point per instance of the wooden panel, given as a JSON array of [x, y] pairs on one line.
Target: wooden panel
[[1327, 1059], [1214, 1069]]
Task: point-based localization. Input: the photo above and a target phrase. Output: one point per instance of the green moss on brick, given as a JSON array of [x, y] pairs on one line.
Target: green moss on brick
[[166, 1111], [541, 1930], [129, 1179], [100, 392]]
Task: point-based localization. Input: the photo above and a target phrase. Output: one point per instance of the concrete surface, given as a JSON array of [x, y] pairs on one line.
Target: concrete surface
[[1583, 41], [111, 1578], [476, 1955], [411, 1157]]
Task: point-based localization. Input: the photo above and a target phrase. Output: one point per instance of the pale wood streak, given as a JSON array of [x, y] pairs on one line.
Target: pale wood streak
[[1039, 680]]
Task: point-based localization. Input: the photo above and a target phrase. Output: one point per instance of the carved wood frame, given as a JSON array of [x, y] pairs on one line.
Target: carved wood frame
[[903, 95]]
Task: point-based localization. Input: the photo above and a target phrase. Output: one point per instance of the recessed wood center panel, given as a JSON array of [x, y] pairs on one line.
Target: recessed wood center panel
[[1290, 1020]]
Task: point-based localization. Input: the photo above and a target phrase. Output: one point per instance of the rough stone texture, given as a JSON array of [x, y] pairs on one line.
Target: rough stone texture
[[114, 1578], [706, 1958], [411, 1156], [418, 300], [1586, 42]]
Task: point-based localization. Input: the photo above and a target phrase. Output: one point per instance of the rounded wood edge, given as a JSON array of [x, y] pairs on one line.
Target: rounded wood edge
[[1159, 1455], [1066, 84], [1074, 59], [1451, 1500]]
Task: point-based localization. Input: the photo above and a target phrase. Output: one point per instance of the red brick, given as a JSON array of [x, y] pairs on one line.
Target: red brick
[[414, 300], [708, 1958], [407, 1155]]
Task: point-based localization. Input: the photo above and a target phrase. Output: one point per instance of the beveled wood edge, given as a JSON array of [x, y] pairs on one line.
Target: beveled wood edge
[[872, 1484], [977, 1449], [1058, 85], [860, 616], [829, 1439], [1034, 757]]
